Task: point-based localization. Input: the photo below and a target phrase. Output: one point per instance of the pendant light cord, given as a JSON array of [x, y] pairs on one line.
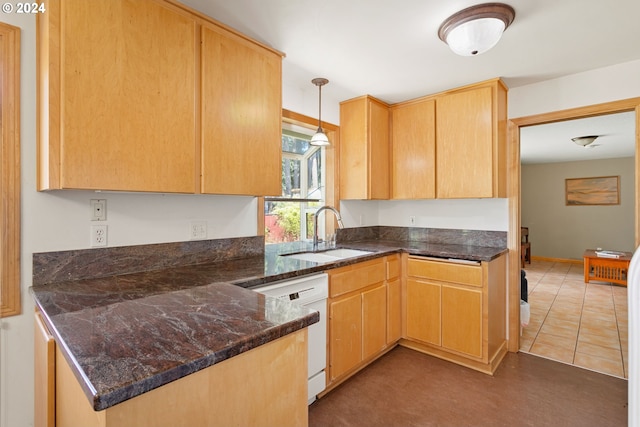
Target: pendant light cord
[[319, 108]]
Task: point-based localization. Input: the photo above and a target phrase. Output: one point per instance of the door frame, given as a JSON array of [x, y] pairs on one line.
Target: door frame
[[514, 186]]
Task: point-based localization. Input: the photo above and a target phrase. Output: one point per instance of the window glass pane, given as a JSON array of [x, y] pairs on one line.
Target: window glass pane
[[314, 171], [291, 177], [302, 178], [282, 221], [295, 144], [309, 215]]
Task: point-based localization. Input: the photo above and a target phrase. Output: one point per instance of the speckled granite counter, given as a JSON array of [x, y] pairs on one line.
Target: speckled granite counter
[[127, 347], [131, 319]]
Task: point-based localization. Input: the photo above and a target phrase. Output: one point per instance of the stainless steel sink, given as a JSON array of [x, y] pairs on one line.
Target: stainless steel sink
[[327, 256]]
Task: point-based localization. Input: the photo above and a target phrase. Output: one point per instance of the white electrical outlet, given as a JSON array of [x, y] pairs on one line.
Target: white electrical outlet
[[412, 220], [98, 235], [98, 209], [198, 230]]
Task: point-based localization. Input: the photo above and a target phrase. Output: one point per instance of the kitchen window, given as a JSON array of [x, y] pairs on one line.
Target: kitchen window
[[289, 217]]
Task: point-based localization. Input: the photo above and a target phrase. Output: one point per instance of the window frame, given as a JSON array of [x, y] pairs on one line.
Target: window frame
[[305, 198], [10, 297], [331, 195]]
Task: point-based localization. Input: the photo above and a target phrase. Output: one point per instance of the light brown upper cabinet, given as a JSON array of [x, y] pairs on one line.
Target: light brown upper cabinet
[[413, 146], [129, 100], [117, 100], [471, 141], [447, 145], [241, 116], [364, 149]]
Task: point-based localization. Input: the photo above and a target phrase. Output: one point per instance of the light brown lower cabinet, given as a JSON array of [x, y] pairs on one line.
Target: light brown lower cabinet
[[423, 311], [374, 320], [462, 320], [364, 315], [394, 299], [457, 311], [44, 375], [264, 386], [345, 330]]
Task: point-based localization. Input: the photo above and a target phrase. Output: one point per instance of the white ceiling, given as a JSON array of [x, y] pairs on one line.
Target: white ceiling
[[552, 142], [391, 50]]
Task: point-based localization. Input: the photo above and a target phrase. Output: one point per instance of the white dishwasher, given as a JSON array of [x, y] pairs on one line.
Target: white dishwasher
[[311, 292]]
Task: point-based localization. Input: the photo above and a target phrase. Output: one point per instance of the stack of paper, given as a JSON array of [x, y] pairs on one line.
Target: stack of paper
[[609, 254]]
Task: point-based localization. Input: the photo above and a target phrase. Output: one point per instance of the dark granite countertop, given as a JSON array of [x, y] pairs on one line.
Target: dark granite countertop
[[434, 250], [124, 343], [124, 335]]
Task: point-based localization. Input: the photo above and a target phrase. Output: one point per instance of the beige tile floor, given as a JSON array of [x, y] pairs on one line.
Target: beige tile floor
[[583, 324]]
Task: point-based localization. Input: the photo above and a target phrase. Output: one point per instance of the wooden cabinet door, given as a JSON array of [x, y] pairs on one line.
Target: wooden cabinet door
[[374, 320], [353, 149], [345, 331], [241, 116], [394, 311], [413, 144], [379, 147], [117, 93], [464, 135], [423, 311], [45, 375], [364, 149], [462, 319]]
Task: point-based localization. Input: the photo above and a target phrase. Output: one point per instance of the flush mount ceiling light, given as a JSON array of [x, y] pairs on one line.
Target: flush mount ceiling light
[[319, 138], [476, 29], [584, 140]]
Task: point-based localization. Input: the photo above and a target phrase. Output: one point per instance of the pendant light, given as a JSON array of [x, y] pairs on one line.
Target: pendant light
[[476, 29], [319, 138]]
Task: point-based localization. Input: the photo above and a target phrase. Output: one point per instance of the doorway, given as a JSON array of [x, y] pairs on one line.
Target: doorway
[[571, 321], [514, 184]]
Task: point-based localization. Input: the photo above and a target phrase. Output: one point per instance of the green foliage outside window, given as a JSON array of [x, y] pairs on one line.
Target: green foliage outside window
[[289, 219]]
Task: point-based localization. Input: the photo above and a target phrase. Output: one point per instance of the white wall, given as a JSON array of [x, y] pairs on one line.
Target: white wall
[[60, 220], [588, 88], [470, 214], [560, 231]]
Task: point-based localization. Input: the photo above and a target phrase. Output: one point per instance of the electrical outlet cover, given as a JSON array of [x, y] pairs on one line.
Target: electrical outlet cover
[[198, 230], [98, 236]]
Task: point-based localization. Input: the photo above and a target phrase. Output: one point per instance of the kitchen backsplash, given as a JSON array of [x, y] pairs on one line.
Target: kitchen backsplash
[[494, 239], [51, 267]]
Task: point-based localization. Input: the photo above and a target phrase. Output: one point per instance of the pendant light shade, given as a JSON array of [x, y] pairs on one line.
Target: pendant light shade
[[319, 138], [476, 29]]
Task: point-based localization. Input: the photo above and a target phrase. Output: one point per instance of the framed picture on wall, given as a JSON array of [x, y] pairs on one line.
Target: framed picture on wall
[[602, 190]]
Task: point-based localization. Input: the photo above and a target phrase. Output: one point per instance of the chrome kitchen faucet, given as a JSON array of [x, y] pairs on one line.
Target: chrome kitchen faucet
[[315, 223]]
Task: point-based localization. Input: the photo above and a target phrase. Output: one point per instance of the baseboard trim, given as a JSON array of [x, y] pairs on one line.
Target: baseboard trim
[[484, 367], [564, 260]]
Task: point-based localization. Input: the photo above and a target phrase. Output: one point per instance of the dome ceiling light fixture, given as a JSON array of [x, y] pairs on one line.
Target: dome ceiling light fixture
[[585, 141], [476, 29], [319, 138]]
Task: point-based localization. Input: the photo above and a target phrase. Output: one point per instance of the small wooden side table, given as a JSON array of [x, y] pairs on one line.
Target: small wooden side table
[[607, 269]]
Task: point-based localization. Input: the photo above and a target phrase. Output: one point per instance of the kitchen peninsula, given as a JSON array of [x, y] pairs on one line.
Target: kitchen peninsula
[[187, 327]]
